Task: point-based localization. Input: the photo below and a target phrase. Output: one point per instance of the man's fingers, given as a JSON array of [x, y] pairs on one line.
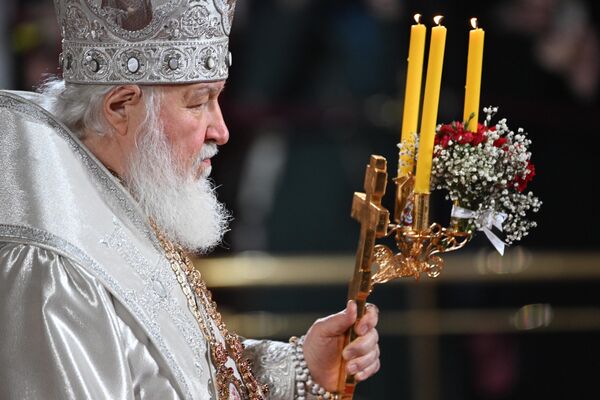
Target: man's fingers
[[369, 371], [372, 308], [369, 319], [361, 345], [361, 363]]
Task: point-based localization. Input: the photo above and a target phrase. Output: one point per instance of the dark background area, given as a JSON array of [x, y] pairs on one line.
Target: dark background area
[[317, 86]]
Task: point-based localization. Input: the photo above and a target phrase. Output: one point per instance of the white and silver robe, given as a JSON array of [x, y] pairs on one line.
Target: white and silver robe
[[89, 305]]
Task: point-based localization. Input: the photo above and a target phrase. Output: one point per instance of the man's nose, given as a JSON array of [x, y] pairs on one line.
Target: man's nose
[[217, 128]]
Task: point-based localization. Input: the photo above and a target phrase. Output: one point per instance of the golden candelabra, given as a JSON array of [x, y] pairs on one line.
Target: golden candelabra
[[418, 242]]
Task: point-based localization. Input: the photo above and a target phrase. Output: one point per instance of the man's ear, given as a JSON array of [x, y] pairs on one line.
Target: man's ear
[[118, 104]]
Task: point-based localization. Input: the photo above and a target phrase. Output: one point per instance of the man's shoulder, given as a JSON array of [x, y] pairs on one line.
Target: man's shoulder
[[25, 255], [27, 106], [24, 249], [20, 101], [32, 154], [33, 97], [39, 267]]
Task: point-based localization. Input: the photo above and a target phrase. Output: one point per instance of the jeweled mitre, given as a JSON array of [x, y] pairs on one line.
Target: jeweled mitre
[[145, 41]]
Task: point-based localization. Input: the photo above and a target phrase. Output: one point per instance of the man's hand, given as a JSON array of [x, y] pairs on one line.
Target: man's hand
[[325, 339]]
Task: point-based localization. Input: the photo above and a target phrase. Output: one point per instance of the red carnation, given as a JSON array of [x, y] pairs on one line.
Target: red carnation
[[531, 173], [465, 138], [523, 182], [456, 132], [479, 137], [446, 129], [444, 141], [481, 134], [482, 129], [457, 135], [445, 133], [500, 141]]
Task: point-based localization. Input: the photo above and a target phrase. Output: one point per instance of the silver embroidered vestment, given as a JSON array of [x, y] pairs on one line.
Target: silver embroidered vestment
[[89, 306]]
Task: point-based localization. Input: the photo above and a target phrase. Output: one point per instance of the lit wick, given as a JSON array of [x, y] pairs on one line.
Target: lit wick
[[474, 23]]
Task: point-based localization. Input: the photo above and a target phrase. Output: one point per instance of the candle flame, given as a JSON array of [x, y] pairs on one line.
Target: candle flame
[[438, 19], [474, 23], [417, 18]]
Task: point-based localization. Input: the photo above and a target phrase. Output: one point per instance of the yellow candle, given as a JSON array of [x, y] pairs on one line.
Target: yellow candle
[[473, 85], [430, 106], [412, 96]]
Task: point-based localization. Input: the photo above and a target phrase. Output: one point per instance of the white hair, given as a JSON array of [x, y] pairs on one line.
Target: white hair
[[79, 106]]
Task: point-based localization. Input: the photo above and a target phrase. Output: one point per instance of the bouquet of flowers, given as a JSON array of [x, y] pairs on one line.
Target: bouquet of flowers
[[486, 174]]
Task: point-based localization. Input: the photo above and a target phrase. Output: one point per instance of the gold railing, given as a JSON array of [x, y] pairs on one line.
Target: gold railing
[[261, 269], [423, 318]]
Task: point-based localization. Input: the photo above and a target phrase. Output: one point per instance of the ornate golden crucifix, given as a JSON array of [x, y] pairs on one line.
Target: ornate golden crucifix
[[374, 220]]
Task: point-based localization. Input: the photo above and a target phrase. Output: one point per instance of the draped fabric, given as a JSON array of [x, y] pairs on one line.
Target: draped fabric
[[63, 336]]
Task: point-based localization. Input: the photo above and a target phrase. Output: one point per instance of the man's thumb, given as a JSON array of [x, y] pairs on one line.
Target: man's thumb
[[338, 324]]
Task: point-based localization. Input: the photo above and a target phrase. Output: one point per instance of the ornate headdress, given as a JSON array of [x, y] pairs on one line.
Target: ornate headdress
[[145, 41]]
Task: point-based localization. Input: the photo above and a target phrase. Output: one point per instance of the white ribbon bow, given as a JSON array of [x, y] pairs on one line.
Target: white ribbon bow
[[487, 219]]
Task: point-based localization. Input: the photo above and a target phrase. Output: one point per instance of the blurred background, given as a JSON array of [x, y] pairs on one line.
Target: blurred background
[[315, 88]]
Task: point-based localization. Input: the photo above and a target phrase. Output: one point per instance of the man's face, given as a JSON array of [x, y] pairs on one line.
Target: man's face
[[170, 160], [191, 117]]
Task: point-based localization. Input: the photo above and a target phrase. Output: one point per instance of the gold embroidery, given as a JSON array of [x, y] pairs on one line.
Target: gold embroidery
[[191, 283]]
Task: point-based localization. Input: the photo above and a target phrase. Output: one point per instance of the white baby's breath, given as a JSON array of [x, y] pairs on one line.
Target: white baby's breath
[[483, 176]]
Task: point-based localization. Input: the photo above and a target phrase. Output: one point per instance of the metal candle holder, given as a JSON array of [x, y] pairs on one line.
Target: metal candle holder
[[418, 243]]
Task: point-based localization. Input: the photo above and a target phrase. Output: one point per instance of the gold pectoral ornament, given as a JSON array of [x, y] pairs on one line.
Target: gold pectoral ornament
[[224, 345], [418, 243]]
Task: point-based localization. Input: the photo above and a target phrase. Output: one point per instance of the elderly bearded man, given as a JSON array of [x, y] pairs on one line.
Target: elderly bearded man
[[104, 193]]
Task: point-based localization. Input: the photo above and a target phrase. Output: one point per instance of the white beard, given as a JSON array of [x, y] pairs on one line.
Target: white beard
[[184, 207]]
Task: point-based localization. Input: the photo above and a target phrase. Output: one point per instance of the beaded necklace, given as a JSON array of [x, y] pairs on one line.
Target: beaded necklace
[[194, 288]]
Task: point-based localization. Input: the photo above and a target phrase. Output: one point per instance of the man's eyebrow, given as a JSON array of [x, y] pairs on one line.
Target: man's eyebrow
[[205, 91], [216, 90], [199, 92], [222, 89]]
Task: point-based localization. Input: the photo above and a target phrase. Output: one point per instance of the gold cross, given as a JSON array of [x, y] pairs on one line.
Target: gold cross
[[374, 220]]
